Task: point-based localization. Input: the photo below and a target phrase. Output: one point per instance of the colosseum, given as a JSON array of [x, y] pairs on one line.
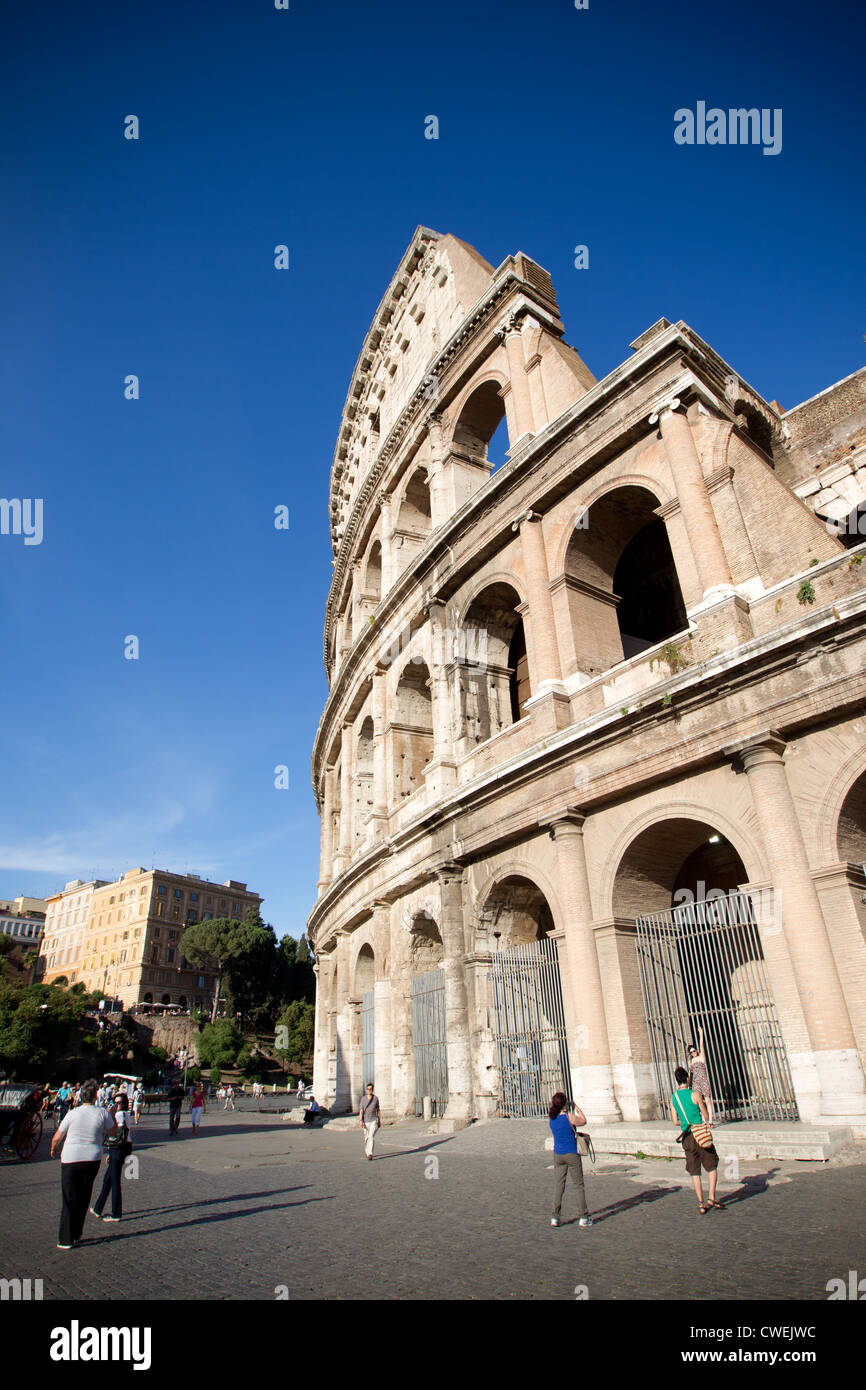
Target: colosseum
[[592, 767]]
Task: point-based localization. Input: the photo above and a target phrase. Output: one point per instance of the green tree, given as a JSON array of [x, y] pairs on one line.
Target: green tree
[[36, 1021], [222, 943], [296, 1031], [219, 1043]]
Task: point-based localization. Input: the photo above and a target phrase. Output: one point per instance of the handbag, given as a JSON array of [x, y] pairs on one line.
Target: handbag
[[703, 1135], [584, 1145]]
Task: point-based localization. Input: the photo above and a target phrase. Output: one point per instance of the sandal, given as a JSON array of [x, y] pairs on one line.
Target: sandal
[[719, 1206], [702, 1209]]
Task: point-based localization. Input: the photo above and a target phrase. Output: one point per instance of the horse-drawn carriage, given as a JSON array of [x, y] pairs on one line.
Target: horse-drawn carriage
[[20, 1117]]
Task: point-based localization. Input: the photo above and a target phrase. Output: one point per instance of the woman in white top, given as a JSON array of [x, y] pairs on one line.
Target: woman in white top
[[80, 1135]]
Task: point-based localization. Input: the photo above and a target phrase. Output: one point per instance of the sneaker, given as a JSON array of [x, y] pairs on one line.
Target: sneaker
[[117, 1218], [63, 1247], [94, 1212], [585, 1221], [553, 1221]]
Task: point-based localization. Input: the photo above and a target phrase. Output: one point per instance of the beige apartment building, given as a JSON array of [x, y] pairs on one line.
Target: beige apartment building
[[130, 944], [592, 766], [66, 916]]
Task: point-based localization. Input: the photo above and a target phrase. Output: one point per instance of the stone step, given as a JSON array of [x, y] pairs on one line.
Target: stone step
[[755, 1140]]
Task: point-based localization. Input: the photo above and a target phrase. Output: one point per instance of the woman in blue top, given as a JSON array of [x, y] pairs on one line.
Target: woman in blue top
[[566, 1159]]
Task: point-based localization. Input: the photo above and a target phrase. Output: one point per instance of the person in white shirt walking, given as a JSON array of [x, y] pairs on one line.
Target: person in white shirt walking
[[369, 1117]]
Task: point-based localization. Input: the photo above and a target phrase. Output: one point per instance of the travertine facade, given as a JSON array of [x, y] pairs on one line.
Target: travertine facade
[[626, 663]]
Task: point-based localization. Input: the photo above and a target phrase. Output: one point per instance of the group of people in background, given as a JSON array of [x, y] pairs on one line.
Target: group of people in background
[[691, 1108]]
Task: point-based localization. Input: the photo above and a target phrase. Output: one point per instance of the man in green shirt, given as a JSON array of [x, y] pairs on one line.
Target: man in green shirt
[[688, 1107]]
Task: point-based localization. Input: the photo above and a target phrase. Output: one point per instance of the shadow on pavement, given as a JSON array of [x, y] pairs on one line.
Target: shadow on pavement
[[650, 1194], [213, 1201], [754, 1186], [268, 1208]]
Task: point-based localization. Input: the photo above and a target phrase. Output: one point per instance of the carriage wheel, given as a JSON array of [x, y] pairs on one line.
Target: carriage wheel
[[29, 1135]]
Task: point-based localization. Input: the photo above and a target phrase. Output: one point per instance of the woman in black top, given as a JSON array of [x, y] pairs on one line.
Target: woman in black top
[[114, 1161]]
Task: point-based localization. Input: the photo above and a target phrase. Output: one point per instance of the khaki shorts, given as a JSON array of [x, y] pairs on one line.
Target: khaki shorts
[[696, 1157]]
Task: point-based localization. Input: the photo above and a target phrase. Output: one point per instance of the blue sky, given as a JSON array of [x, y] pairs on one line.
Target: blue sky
[[155, 257]]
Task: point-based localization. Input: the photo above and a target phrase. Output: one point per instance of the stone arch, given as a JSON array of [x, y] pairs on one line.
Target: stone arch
[[364, 971], [493, 670], [588, 498], [622, 587], [478, 419], [363, 778], [712, 819], [373, 573], [851, 823], [411, 730], [512, 908], [426, 951], [412, 519], [662, 857]]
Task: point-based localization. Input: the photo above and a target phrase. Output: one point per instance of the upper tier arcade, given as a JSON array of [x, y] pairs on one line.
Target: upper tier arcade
[[454, 346]]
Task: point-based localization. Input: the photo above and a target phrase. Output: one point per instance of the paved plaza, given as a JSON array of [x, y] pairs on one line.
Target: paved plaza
[[255, 1208]]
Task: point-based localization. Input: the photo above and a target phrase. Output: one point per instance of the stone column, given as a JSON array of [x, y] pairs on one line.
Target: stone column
[[379, 815], [346, 767], [441, 772], [322, 972], [326, 866], [833, 1052], [545, 650], [441, 505], [460, 1107], [384, 500], [509, 333], [589, 1051], [694, 499], [382, 1031], [341, 1079]]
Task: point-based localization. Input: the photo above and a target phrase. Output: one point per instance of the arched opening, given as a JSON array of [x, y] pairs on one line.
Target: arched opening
[[166, 999], [851, 830], [429, 1031], [365, 981], [182, 1001], [411, 730], [493, 669], [373, 582], [479, 424], [425, 948], [701, 965], [482, 431], [148, 998], [363, 788], [413, 521], [623, 592], [530, 1051], [515, 912], [365, 970]]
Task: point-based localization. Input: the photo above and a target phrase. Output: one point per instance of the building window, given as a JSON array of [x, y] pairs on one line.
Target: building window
[[161, 890], [172, 936], [208, 916], [191, 917], [175, 913], [156, 933], [154, 955], [236, 907], [170, 954], [111, 902], [137, 933], [178, 894], [193, 897], [160, 909]]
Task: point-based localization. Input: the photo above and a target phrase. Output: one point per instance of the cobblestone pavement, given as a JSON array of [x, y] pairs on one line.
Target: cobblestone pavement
[[254, 1206]]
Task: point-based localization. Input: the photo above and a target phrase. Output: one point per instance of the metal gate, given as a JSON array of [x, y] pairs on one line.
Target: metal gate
[[368, 1038], [428, 1040], [529, 1027], [702, 966]]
